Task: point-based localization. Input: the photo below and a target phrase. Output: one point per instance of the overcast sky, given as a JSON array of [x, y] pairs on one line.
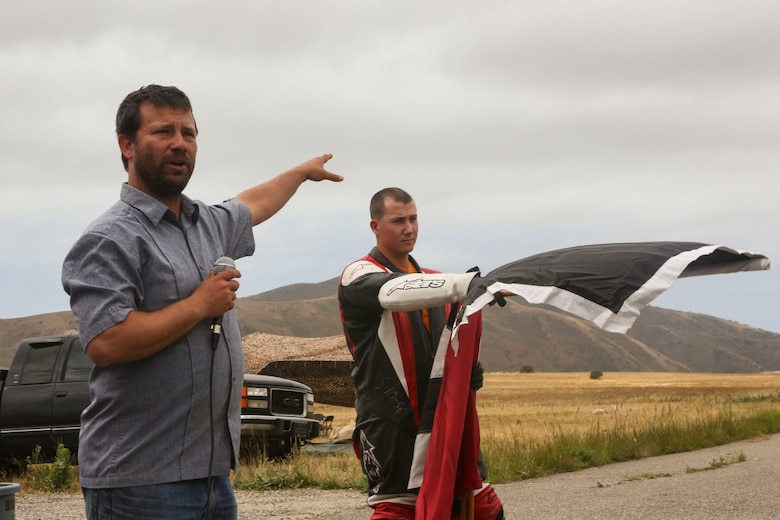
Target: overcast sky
[[519, 127]]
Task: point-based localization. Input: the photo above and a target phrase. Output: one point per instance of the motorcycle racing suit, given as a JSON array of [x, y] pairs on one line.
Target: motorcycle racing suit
[[393, 348]]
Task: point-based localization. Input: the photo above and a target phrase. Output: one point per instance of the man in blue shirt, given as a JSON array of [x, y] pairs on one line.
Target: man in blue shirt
[[158, 440]]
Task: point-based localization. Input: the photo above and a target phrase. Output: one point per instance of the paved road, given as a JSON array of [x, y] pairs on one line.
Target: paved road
[[654, 488]]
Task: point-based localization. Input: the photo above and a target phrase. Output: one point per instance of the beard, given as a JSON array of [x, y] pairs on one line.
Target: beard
[[163, 184]]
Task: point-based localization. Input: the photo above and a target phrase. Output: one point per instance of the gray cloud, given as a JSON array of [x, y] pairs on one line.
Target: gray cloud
[[519, 127]]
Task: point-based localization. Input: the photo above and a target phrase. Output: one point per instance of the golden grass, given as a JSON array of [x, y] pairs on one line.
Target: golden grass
[[335, 471], [536, 405]]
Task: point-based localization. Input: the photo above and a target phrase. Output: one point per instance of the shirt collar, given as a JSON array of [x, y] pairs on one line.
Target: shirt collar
[[377, 254], [155, 210]]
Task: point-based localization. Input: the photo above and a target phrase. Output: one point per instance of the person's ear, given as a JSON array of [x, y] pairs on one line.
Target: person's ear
[[126, 146]]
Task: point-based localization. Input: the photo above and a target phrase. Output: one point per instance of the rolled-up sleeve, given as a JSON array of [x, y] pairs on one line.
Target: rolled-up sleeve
[[103, 281]]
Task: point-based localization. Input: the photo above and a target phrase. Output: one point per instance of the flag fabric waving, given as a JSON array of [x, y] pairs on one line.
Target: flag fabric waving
[[607, 284]]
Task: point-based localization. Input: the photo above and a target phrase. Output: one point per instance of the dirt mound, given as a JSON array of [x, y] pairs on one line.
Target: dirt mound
[[261, 349]]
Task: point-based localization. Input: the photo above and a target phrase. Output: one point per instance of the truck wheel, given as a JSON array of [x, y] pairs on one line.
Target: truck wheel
[[279, 449], [256, 447]]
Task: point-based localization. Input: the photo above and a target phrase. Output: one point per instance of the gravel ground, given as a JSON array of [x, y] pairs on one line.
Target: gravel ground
[[299, 504], [700, 485]]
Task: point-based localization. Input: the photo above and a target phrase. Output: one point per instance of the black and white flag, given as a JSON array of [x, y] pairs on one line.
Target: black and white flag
[[607, 284]]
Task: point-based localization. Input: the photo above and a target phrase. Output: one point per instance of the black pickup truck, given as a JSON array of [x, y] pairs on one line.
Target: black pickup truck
[[46, 388]]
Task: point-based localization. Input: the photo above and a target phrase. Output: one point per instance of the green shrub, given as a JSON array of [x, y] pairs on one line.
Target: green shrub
[[36, 457], [526, 369], [59, 477], [596, 374]]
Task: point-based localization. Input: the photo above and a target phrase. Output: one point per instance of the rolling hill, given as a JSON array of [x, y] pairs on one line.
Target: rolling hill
[[516, 335]]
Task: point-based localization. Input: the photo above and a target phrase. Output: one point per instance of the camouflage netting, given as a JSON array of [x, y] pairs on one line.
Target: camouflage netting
[[324, 364], [329, 380]]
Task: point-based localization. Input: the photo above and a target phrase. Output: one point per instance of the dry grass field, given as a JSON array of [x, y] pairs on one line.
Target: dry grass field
[[542, 423], [536, 405]]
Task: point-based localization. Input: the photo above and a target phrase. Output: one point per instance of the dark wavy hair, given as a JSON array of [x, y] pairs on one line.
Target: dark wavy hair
[[128, 115]]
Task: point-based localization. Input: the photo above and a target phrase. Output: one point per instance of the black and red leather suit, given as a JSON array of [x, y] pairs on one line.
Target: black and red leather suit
[[381, 310]]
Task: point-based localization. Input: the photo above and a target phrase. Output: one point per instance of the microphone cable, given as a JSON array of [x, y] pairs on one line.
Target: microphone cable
[[211, 433], [220, 265]]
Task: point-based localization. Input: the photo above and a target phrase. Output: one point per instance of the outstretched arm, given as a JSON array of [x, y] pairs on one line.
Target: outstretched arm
[[265, 199]]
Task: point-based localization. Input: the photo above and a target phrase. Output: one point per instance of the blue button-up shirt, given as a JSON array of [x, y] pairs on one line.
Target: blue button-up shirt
[[148, 421]]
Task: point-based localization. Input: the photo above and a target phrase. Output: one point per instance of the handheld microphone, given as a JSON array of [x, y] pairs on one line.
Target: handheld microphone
[[221, 265]]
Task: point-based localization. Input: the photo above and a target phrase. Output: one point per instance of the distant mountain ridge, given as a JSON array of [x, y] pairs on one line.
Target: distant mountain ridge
[[662, 340]]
